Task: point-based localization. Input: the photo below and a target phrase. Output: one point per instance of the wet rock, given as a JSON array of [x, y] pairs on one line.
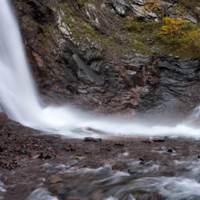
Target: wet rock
[[151, 162], [22, 151], [55, 179], [118, 165], [141, 159], [36, 156], [96, 66], [109, 149], [72, 163], [89, 139], [45, 155], [120, 144], [163, 148], [147, 141], [158, 140], [168, 163], [172, 71], [72, 147], [170, 150], [61, 191], [135, 172], [90, 73], [80, 157], [55, 187], [97, 140], [50, 171], [56, 145]]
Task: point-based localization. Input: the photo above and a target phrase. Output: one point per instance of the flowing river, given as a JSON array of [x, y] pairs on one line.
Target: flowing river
[[20, 100]]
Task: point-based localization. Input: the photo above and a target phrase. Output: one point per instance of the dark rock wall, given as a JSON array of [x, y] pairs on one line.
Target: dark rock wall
[[97, 79], [177, 93]]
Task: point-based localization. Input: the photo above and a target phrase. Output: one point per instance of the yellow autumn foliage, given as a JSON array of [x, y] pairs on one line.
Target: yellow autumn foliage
[[151, 5], [173, 27]]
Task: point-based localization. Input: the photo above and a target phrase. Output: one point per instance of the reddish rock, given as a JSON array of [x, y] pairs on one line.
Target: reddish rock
[[119, 144], [147, 141], [88, 139]]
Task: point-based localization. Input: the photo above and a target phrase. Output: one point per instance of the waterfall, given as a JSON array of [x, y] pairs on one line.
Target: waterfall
[[17, 90], [19, 98]]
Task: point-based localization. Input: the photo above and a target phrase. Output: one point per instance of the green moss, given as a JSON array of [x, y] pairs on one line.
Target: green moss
[[67, 9], [67, 20], [143, 37]]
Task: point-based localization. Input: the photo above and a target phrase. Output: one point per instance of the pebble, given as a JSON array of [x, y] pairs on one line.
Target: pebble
[[80, 157], [163, 147], [55, 179], [72, 148], [147, 141], [141, 159], [151, 162], [50, 171], [158, 140], [36, 156], [97, 140], [119, 144], [170, 150], [23, 152], [57, 145], [118, 164], [134, 172], [88, 139], [61, 191]]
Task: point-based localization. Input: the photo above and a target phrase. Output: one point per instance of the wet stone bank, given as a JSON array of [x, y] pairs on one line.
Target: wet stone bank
[[39, 166]]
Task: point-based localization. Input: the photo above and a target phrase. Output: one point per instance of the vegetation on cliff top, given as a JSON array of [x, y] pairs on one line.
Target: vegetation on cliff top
[[166, 36]]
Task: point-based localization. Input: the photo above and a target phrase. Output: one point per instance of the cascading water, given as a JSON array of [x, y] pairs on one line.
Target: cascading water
[[20, 101]]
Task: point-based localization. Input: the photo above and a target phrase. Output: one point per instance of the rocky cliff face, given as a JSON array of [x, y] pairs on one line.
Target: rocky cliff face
[[80, 53], [177, 91]]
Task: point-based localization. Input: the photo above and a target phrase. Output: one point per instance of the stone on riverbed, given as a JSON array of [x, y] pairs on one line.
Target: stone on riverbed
[[50, 171], [55, 179], [158, 140], [90, 139], [135, 172], [147, 141]]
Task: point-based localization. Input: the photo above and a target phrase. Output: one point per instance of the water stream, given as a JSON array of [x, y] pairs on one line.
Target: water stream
[[19, 99]]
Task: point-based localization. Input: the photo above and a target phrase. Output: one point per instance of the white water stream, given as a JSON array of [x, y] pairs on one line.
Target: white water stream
[[20, 101]]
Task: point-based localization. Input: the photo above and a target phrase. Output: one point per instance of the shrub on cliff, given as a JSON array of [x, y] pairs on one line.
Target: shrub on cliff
[[151, 5], [191, 43], [173, 28]]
